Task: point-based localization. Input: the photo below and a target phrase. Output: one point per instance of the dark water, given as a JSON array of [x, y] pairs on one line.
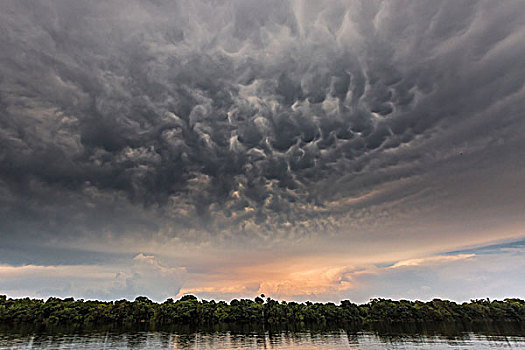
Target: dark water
[[373, 338]]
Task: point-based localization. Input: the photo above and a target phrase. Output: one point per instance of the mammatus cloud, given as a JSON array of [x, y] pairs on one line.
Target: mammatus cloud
[[167, 127], [244, 118]]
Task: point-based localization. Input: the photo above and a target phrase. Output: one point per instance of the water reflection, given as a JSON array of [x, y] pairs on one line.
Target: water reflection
[[377, 336]]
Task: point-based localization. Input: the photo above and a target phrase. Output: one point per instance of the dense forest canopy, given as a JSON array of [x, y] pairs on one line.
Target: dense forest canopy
[[188, 310]]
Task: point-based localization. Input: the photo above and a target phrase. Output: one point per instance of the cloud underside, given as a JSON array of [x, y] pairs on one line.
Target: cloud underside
[[249, 120]]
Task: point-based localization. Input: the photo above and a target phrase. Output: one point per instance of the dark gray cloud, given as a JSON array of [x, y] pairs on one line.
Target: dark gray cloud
[[245, 117]]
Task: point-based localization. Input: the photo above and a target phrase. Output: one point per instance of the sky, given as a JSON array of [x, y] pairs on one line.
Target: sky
[[307, 150]]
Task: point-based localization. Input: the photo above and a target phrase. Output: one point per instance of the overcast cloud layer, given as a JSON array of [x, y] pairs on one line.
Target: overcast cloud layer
[[131, 127]]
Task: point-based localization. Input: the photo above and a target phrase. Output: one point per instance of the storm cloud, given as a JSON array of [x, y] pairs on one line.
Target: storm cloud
[[258, 121]]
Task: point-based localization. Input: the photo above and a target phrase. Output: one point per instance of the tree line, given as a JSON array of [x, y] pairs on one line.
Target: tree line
[[188, 310]]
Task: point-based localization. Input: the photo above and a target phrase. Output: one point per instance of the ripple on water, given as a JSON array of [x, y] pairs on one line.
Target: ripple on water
[[260, 340]]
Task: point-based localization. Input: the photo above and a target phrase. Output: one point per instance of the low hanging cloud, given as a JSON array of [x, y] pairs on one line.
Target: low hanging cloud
[[461, 275], [453, 276], [143, 275], [246, 121]]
